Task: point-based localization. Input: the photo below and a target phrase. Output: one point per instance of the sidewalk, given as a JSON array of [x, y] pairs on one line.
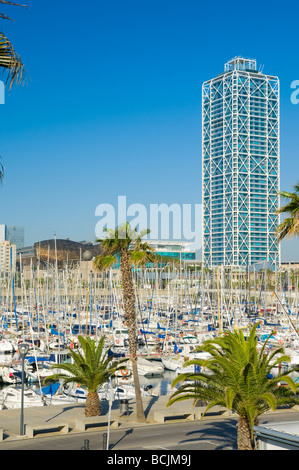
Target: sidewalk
[[69, 413]]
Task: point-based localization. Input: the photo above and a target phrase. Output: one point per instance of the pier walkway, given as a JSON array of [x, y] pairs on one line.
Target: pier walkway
[[50, 420]]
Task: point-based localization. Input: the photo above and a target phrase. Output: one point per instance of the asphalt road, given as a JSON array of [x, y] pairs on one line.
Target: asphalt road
[[211, 433]]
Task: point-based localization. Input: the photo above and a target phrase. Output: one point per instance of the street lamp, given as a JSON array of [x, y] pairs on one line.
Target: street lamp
[[110, 400], [23, 350]]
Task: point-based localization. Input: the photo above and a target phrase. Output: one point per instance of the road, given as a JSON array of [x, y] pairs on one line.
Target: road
[[213, 433]]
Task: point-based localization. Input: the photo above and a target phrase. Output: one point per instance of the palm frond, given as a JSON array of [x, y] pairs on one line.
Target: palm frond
[[290, 225], [141, 257], [10, 62], [91, 366], [7, 2], [288, 228], [1, 171], [124, 238], [4, 17], [237, 376], [104, 261]]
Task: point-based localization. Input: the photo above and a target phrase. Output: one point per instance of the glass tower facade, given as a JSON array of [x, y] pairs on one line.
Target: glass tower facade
[[240, 166], [15, 235]]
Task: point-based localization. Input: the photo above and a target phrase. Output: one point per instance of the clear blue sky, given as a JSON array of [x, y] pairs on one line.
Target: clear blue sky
[[113, 103]]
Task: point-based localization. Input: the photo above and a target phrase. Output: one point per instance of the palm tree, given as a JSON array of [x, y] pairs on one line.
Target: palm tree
[[10, 62], [126, 244], [91, 368], [239, 378], [1, 171], [290, 226]]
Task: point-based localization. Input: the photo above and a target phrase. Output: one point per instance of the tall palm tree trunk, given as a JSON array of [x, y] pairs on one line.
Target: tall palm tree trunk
[[244, 439], [93, 404], [130, 317]]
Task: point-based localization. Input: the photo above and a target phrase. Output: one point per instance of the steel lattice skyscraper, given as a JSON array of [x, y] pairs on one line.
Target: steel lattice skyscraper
[[240, 166]]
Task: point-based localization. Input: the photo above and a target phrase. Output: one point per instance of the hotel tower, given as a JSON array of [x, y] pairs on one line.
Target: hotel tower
[[240, 166]]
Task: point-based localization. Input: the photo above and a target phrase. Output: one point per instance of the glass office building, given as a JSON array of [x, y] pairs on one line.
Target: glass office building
[[173, 249], [240, 166], [15, 235]]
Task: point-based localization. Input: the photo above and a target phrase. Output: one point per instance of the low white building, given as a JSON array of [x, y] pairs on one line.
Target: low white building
[[279, 436]]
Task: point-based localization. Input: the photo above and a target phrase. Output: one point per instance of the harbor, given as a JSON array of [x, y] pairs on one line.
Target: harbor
[[178, 307]]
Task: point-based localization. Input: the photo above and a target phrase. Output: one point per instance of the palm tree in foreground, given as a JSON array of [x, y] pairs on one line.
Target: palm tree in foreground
[[91, 368], [239, 378], [126, 245], [10, 62], [290, 226]]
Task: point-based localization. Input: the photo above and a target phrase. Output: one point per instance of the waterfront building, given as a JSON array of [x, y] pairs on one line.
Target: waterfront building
[[7, 257], [240, 166], [173, 249]]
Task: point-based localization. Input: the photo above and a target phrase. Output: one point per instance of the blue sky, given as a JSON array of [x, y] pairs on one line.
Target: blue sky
[[113, 103]]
